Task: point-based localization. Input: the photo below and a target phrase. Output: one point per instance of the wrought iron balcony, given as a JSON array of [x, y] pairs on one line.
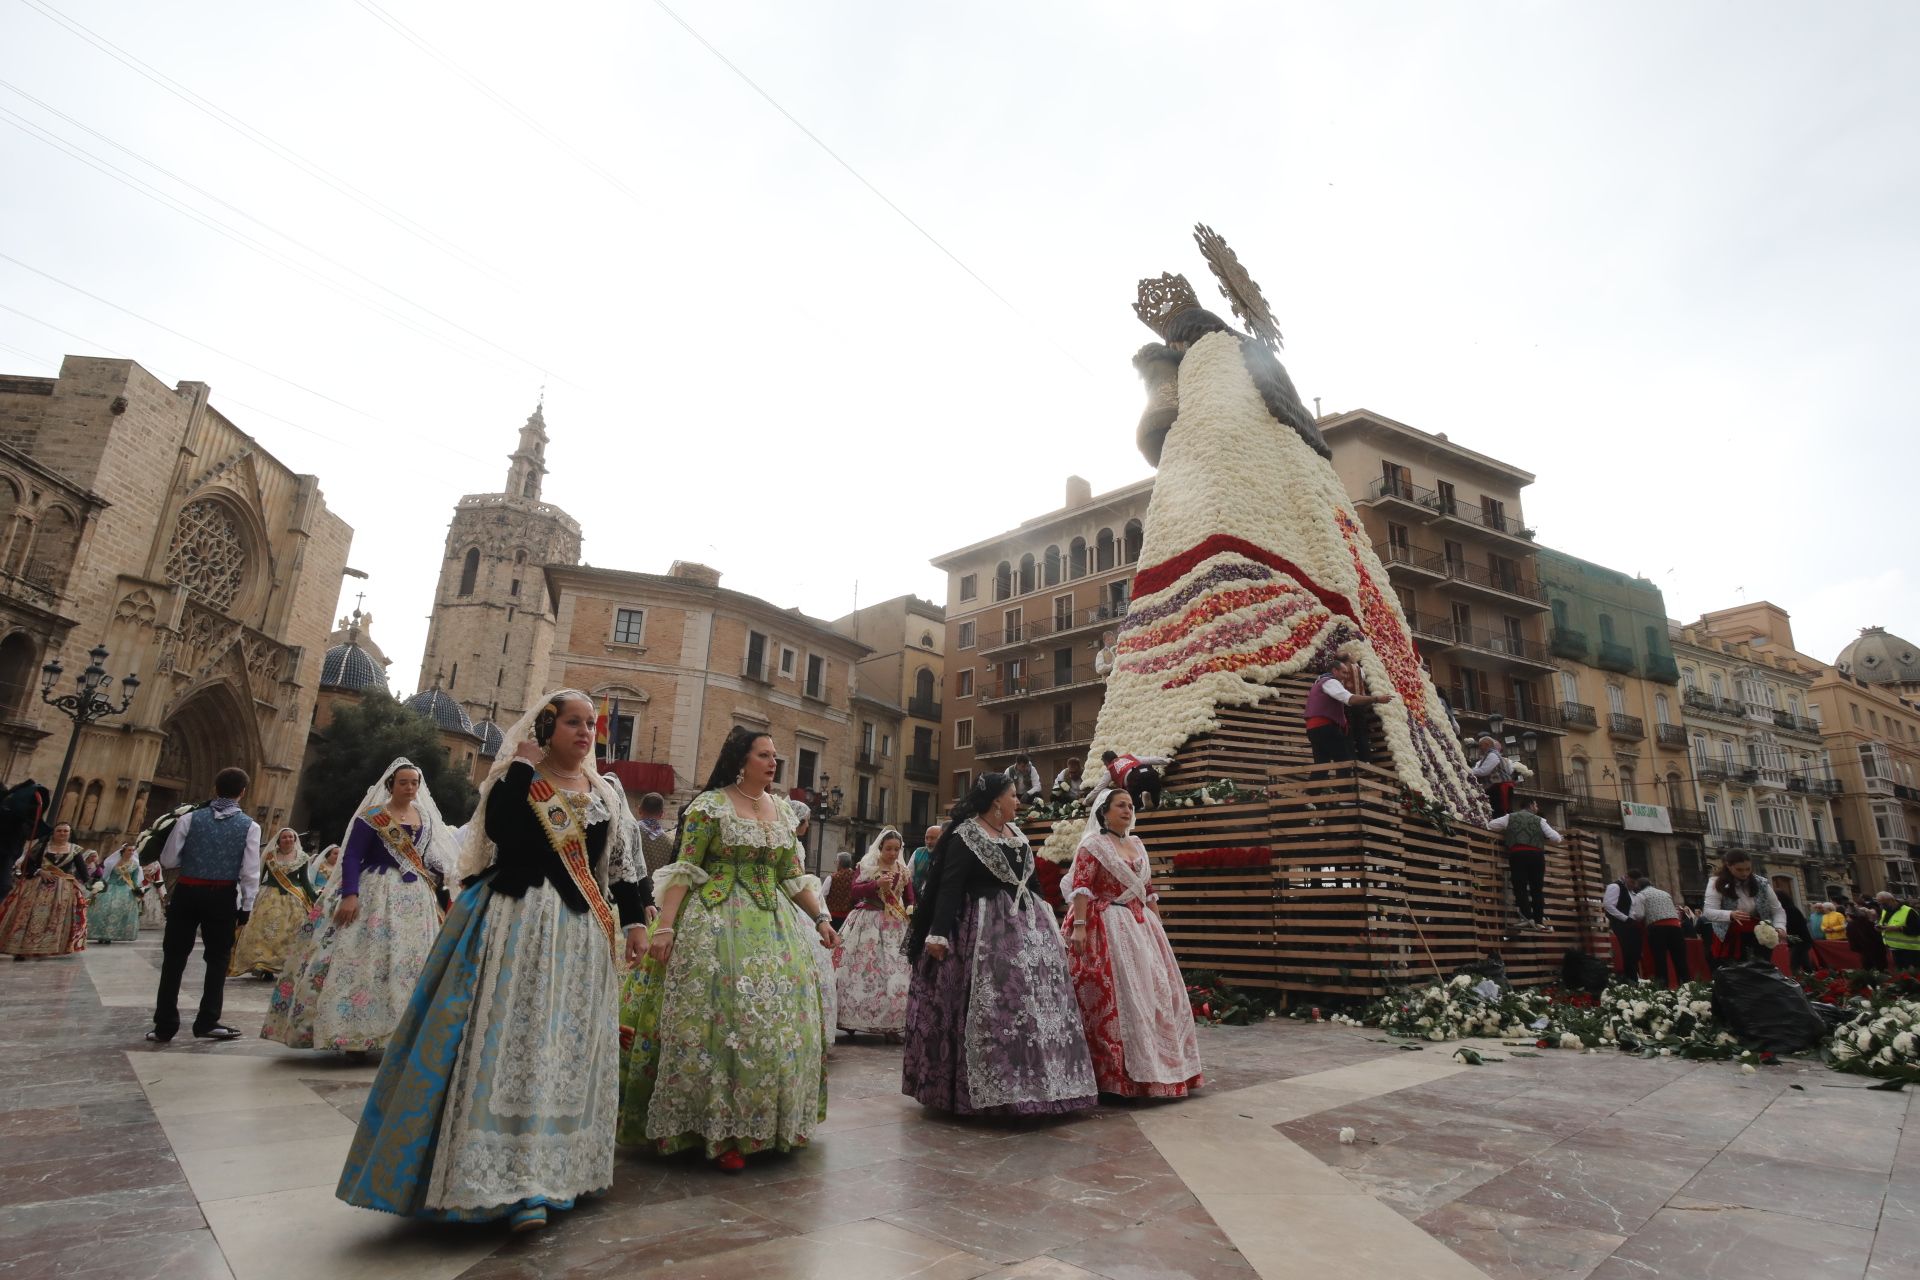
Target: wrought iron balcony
[[1387, 489], [1033, 684], [1068, 735], [1714, 705], [1614, 657], [1481, 518], [1588, 809], [1519, 715], [923, 708], [866, 759], [1567, 643], [1578, 715], [1501, 584], [1670, 735], [1450, 634], [1686, 819], [1412, 560], [922, 769], [1662, 667], [1045, 627], [1624, 726]]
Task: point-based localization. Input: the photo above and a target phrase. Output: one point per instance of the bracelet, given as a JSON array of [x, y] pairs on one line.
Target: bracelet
[[659, 929], [823, 918]]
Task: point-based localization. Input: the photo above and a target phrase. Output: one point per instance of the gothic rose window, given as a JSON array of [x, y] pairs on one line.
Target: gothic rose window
[[208, 556]]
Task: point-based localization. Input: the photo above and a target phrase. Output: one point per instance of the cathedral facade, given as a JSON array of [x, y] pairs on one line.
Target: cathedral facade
[[136, 516], [491, 636]]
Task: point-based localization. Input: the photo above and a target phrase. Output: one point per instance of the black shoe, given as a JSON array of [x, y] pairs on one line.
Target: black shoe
[[217, 1032], [155, 1037]]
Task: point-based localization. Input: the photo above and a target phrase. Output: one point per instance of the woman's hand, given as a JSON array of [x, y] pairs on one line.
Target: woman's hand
[[1742, 918], [653, 913], [938, 950], [636, 946], [660, 944], [829, 936], [1078, 938], [348, 911], [529, 751]]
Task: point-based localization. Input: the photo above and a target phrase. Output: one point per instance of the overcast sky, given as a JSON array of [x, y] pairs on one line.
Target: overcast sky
[[1665, 256]]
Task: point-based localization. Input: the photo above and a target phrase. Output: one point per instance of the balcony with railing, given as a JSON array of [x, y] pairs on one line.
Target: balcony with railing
[[1412, 560], [1741, 841], [1568, 643], [1878, 786], [1578, 715], [1479, 518], [1037, 683], [1682, 819], [1719, 769], [1589, 809], [1713, 705], [1519, 715], [1792, 723], [1514, 650], [1507, 588], [866, 758], [1780, 842], [1662, 667], [1611, 656], [1670, 735], [1389, 491], [1905, 793], [1077, 734], [923, 708], [1045, 627], [1625, 726], [922, 769]]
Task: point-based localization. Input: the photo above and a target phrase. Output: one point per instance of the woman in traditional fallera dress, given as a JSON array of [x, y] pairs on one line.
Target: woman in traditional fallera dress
[[325, 868], [46, 914], [153, 902], [280, 911], [353, 966], [498, 1092], [726, 1013], [872, 962], [992, 1024], [113, 915], [1133, 1001]]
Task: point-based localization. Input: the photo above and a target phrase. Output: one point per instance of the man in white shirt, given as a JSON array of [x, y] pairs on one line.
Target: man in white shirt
[[217, 849], [1328, 701], [1026, 781], [1104, 656], [1654, 911], [1527, 836], [1628, 935]]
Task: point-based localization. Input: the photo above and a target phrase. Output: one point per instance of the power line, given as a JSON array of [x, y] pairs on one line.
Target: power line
[[85, 157], [266, 142], [185, 337], [500, 100], [861, 178]]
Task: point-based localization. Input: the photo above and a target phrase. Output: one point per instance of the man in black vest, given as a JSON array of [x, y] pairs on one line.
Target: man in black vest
[[217, 849], [1627, 933]]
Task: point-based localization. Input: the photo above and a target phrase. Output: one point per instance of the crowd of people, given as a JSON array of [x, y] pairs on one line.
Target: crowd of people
[[560, 977]]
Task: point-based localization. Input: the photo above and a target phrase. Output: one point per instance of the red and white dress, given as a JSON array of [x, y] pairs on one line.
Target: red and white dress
[[1132, 1001]]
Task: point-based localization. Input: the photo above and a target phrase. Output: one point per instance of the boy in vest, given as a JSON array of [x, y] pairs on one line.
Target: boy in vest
[[1327, 703], [1527, 837], [1900, 930], [217, 851]]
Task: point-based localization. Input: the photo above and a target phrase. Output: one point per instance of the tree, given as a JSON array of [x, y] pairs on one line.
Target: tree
[[358, 744]]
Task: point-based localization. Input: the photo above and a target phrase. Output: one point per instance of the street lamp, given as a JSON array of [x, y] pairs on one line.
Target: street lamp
[[87, 704], [826, 806]]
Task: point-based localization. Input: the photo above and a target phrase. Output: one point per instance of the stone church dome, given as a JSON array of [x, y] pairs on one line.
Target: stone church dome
[[1880, 657], [490, 739], [437, 705], [348, 666]]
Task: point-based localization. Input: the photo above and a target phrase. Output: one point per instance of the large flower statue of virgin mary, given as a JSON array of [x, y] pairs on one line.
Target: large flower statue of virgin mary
[[1254, 565]]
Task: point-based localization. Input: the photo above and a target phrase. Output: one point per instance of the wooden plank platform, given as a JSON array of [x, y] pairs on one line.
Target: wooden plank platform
[[1360, 894]]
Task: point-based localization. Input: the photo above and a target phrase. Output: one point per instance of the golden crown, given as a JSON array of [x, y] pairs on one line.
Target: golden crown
[[1163, 299]]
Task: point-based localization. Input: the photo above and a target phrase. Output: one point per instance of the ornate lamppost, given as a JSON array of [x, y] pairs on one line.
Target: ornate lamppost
[[827, 800], [85, 705]]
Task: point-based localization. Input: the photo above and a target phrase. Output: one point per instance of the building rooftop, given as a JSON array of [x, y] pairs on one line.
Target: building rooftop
[[437, 705], [1877, 656]]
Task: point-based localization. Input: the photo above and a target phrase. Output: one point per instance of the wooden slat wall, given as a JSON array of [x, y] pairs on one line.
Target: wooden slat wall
[[1358, 897]]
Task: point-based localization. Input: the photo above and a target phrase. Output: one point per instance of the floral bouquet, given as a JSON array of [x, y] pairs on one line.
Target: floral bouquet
[[1882, 1041]]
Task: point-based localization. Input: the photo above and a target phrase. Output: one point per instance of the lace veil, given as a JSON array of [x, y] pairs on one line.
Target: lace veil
[[477, 851], [435, 841], [869, 868]]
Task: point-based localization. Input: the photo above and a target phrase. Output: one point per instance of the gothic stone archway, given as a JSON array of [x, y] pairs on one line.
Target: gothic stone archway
[[211, 729]]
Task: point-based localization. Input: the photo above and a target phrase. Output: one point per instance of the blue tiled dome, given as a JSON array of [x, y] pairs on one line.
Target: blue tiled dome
[[490, 739], [348, 666], [438, 706]]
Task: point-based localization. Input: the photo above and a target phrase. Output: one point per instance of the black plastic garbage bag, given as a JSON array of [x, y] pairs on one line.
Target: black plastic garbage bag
[[1583, 971], [1765, 1008]]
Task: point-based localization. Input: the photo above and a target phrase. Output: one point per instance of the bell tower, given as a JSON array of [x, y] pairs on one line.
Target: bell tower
[[491, 632]]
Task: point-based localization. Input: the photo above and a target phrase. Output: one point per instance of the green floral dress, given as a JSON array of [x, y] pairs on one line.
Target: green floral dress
[[726, 1050]]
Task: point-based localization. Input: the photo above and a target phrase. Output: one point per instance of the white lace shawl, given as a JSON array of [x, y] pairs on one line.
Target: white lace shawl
[[1118, 855], [993, 856]]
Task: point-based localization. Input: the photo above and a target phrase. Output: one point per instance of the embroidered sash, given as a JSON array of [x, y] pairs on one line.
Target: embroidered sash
[[558, 819], [287, 884], [394, 836], [126, 866], [890, 895]]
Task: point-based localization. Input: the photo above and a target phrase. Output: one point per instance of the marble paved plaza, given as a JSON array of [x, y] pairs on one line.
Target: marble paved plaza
[[200, 1161]]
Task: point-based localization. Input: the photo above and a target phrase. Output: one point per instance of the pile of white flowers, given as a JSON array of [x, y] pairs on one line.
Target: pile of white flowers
[[1645, 1018], [1453, 1010], [1882, 1042]]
